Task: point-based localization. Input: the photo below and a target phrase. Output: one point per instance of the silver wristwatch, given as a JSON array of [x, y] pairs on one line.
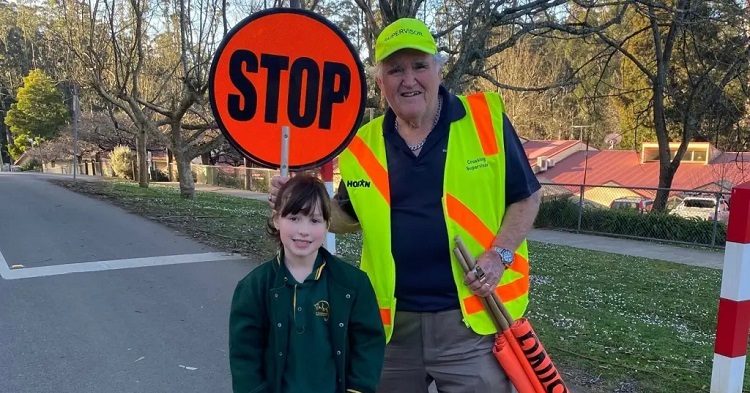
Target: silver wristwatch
[[505, 255]]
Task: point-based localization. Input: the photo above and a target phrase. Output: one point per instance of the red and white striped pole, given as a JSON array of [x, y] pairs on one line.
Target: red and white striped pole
[[326, 172], [733, 325]]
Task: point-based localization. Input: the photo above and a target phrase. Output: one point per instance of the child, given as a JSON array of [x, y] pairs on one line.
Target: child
[[305, 321]]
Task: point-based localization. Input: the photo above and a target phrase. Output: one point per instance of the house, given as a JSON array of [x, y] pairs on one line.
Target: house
[[611, 174], [545, 154], [24, 159]]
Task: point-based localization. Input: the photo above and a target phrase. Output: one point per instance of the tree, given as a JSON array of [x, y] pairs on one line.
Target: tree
[[38, 113], [23, 47], [688, 72], [151, 60], [633, 88], [533, 61], [709, 74], [98, 132], [184, 110], [469, 32]]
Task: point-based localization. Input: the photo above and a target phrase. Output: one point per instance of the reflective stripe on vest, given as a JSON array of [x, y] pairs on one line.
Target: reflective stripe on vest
[[369, 162], [473, 203], [514, 284], [483, 123]]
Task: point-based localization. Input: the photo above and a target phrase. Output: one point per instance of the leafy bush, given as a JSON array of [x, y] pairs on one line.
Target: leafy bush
[[34, 165], [563, 214], [225, 179], [122, 162], [557, 213], [159, 175], [260, 184]]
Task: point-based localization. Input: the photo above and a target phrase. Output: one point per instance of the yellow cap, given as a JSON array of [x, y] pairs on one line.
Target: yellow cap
[[401, 34]]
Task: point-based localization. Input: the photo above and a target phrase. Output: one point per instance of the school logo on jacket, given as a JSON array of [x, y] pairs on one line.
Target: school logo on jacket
[[322, 310]]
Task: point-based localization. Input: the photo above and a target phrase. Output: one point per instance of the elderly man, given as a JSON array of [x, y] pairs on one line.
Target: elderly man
[[434, 167]]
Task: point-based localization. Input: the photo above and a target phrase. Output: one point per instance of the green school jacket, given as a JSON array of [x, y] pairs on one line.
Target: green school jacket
[[259, 328]]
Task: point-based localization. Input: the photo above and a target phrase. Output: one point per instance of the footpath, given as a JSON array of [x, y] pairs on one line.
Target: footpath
[[713, 259]]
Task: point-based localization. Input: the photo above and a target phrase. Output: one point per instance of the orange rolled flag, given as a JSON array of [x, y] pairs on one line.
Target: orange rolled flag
[[537, 357], [517, 347], [516, 368]]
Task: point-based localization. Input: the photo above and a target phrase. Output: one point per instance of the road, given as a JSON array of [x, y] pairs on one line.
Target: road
[[106, 301]]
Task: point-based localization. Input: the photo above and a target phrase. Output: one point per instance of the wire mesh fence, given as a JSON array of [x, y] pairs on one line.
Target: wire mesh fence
[[694, 217], [239, 177], [93, 168]]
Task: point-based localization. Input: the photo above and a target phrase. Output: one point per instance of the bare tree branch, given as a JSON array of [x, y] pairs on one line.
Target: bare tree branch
[[485, 75]]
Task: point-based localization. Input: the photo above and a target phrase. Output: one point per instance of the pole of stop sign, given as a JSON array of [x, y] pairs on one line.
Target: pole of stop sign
[[326, 172], [733, 319]]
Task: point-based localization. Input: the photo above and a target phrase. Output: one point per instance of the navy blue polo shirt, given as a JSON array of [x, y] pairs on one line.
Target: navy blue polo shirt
[[419, 236]]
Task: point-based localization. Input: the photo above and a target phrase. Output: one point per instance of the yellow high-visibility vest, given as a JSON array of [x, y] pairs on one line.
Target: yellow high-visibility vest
[[473, 204]]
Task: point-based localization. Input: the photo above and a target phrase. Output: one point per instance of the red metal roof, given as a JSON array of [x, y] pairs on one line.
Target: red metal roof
[[624, 168], [549, 149]]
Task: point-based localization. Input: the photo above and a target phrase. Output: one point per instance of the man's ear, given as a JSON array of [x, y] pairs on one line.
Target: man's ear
[[379, 81], [276, 218]]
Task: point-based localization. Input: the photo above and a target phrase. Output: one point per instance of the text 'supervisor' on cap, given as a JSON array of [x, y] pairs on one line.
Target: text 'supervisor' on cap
[[402, 34]]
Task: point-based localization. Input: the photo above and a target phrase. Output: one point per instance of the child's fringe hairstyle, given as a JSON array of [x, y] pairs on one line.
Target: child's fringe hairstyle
[[301, 194]]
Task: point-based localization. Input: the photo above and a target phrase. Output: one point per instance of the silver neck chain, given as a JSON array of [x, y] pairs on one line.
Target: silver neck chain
[[434, 123]]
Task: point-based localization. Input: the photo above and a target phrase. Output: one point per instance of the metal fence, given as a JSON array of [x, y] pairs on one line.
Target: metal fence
[[84, 168], [693, 217], [253, 179], [243, 178]]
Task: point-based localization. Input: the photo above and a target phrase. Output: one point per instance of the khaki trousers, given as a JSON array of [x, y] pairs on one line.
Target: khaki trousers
[[427, 347]]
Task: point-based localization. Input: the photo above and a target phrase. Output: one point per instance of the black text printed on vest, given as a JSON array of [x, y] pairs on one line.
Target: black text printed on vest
[[476, 163], [357, 183]]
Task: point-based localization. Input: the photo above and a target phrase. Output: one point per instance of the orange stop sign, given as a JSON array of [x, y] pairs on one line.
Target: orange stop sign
[[287, 67]]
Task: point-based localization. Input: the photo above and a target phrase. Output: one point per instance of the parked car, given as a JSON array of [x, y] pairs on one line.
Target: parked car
[[702, 207], [585, 203], [641, 205]]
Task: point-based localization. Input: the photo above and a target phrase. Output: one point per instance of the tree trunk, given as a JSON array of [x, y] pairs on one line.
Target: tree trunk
[[184, 172], [170, 160], [660, 127], [8, 141], [97, 164], [187, 185], [141, 157], [666, 175]]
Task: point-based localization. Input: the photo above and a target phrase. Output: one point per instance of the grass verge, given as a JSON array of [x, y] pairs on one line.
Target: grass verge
[[612, 323]]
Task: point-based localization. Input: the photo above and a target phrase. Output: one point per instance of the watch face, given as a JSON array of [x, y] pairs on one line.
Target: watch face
[[507, 255]]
